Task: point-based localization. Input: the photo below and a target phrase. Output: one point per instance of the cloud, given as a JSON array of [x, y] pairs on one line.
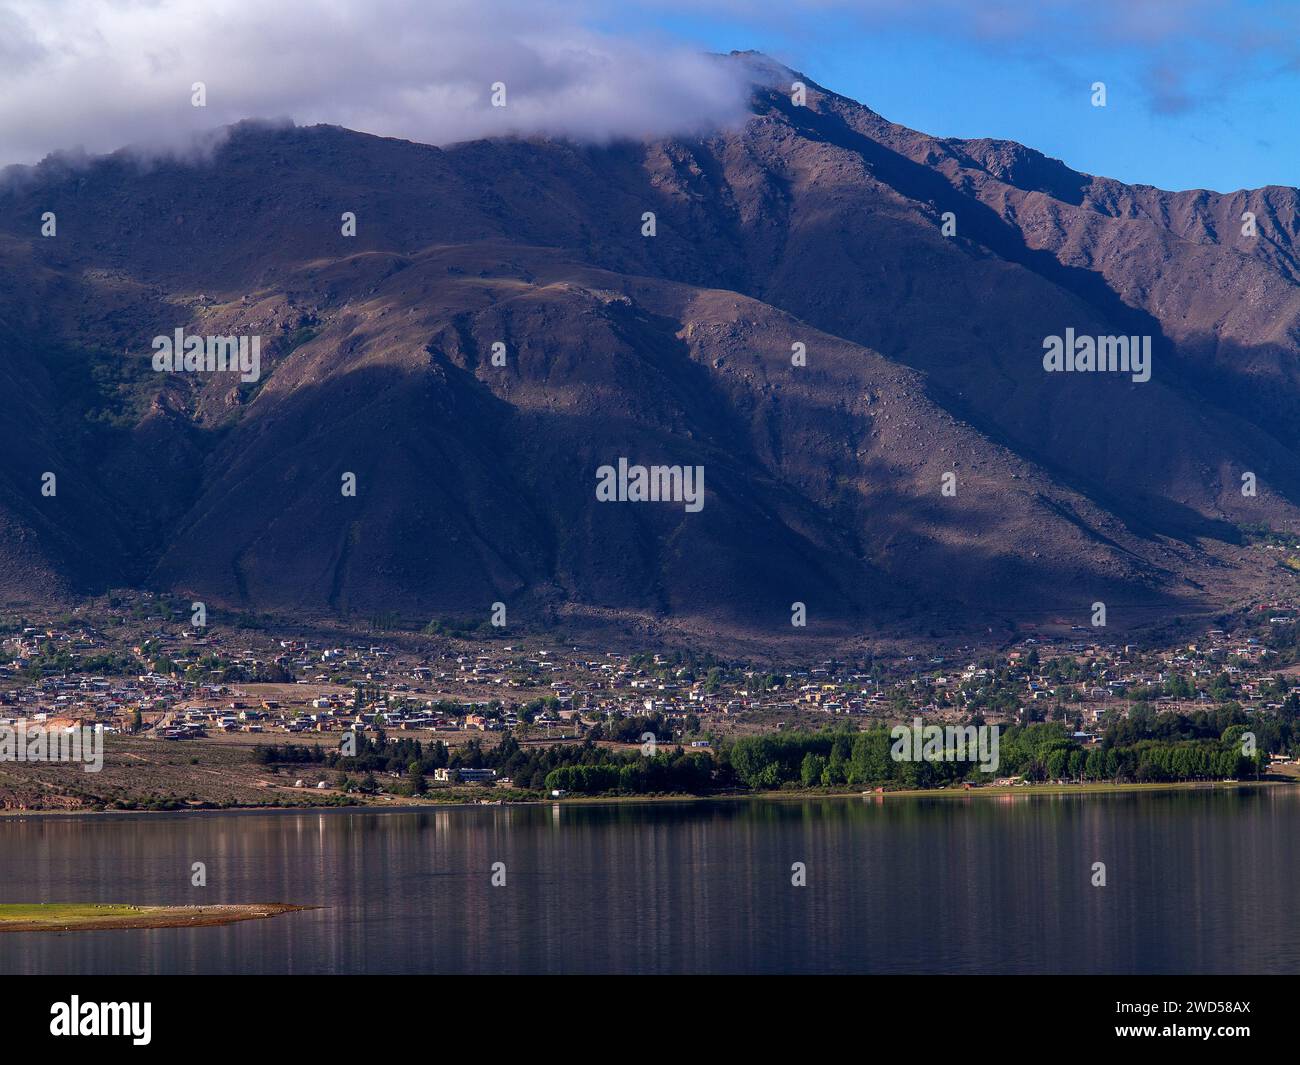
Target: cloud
[[96, 75]]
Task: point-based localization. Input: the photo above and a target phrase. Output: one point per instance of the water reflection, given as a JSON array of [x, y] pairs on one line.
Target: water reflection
[[1196, 882]]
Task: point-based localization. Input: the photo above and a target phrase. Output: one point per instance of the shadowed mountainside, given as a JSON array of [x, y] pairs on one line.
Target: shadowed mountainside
[[818, 225]]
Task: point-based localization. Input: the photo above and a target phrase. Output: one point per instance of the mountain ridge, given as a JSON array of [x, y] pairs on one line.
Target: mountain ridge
[[818, 225]]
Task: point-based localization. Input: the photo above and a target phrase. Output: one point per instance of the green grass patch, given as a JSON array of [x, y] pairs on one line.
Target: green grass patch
[[72, 912]]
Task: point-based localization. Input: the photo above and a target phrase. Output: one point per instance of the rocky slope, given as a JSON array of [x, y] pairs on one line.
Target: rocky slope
[[818, 225]]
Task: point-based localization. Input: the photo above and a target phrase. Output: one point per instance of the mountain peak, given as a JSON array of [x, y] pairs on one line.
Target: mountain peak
[[919, 277]]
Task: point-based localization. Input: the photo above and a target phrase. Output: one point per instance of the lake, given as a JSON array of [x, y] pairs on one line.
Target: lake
[[1196, 882]]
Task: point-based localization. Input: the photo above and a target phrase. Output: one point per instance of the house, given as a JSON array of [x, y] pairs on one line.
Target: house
[[465, 776]]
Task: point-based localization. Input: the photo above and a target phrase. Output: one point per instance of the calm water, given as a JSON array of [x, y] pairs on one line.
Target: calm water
[[1197, 882]]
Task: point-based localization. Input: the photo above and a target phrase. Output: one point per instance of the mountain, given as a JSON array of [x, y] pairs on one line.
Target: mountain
[[820, 225]]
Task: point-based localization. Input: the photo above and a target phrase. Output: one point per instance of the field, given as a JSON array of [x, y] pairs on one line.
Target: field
[[218, 773]]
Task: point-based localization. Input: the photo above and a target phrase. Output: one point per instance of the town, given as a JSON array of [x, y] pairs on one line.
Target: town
[[135, 665]]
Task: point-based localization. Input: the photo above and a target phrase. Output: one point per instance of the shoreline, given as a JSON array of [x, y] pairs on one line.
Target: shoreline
[[1024, 790]]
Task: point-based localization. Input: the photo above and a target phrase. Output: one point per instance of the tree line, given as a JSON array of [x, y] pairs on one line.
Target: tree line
[[1219, 744]]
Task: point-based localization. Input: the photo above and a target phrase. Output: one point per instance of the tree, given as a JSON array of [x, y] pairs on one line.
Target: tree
[[1221, 688], [870, 762], [810, 772], [1058, 762], [1078, 759]]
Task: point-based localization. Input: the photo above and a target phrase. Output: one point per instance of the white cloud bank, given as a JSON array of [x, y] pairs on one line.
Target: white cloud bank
[[100, 74]]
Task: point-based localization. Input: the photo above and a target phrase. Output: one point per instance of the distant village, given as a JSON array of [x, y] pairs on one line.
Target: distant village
[[169, 682]]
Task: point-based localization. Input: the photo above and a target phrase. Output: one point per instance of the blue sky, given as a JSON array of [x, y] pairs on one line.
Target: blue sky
[[1200, 93]]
